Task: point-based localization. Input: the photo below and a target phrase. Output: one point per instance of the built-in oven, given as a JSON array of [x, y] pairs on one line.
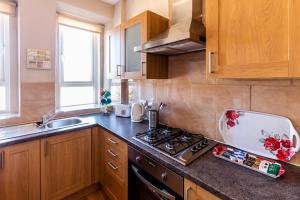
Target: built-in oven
[[149, 180]]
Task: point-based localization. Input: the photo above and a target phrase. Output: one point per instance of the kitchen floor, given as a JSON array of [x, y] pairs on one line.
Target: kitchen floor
[[99, 195]]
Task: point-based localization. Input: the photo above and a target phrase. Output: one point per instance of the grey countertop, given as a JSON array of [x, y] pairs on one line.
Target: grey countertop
[[224, 179]]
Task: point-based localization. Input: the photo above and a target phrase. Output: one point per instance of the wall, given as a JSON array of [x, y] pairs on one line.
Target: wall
[[196, 104], [134, 7], [37, 29]]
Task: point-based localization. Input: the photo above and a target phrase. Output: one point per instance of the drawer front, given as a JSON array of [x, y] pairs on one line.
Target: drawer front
[[114, 189], [113, 141], [113, 153], [114, 168]]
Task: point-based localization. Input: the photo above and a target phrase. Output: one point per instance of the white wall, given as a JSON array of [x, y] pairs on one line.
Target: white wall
[[134, 7], [37, 29]]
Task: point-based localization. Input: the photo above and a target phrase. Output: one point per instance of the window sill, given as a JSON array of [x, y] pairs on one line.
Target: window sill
[[9, 115], [79, 108]]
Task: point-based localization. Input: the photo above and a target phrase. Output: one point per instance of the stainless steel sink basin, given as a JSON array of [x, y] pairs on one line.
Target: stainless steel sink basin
[[60, 123]]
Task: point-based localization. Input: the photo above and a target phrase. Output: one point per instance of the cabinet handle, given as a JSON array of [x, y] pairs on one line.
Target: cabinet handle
[[112, 166], [143, 68], [46, 148], [187, 193], [118, 70], [210, 57], [112, 153], [112, 141], [2, 156]]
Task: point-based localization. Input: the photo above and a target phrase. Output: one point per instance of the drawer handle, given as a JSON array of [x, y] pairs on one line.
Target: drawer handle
[[112, 166], [143, 63], [187, 193], [112, 153], [2, 156], [210, 67], [112, 141], [119, 67]]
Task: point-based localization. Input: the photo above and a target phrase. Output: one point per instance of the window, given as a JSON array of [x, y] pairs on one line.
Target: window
[[78, 66], [8, 60]]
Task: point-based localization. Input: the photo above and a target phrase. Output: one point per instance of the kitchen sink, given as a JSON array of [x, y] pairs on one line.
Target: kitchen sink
[[60, 123], [29, 129]]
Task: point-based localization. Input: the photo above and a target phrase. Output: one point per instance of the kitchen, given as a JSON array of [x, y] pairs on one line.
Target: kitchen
[[83, 119]]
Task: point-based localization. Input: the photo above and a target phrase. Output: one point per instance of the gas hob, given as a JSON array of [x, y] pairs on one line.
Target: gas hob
[[178, 144]]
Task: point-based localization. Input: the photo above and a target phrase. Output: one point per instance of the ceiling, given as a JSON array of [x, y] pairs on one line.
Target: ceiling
[[112, 2]]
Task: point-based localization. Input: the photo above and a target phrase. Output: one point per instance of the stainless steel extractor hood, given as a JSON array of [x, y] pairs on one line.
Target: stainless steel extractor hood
[[186, 33]]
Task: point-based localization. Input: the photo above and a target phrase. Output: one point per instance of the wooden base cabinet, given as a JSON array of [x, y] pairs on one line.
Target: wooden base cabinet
[[20, 172], [194, 192], [115, 167], [65, 164]]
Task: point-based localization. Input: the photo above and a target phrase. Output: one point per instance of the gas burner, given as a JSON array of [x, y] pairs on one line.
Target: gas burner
[[151, 137], [166, 131], [186, 138], [170, 145]]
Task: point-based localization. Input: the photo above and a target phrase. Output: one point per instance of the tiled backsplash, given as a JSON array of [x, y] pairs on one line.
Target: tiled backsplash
[[195, 104], [38, 99]]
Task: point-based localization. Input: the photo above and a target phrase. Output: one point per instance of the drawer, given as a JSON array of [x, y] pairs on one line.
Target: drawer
[[114, 168], [114, 188], [113, 153], [114, 142]]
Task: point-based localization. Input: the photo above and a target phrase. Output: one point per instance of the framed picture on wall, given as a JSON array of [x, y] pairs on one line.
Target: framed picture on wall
[[38, 59]]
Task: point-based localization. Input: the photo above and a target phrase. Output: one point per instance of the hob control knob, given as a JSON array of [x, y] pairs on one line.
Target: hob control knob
[[194, 149], [199, 146], [138, 159], [164, 176]]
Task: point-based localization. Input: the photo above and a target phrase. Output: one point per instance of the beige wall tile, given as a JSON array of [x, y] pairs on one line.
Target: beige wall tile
[[277, 100], [188, 68]]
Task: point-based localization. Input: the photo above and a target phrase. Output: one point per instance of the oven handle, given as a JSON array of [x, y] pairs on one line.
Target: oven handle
[[154, 189]]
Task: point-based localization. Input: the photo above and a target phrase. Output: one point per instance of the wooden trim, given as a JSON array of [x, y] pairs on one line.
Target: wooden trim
[[97, 155]]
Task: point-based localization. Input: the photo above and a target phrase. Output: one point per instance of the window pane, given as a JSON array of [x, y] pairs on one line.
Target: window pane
[[77, 51], [71, 96], [2, 21], [2, 99]]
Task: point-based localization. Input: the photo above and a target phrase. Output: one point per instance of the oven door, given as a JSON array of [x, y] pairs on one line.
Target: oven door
[[144, 187]]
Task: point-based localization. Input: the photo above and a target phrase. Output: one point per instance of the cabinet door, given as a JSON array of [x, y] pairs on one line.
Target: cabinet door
[[66, 164], [114, 53], [194, 192], [248, 39], [190, 190], [295, 39], [20, 172], [134, 33]]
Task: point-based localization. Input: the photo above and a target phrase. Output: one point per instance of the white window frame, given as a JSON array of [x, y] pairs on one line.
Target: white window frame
[[95, 81], [11, 75]]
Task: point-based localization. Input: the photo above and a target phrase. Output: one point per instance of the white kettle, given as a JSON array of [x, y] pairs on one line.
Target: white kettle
[[137, 112]]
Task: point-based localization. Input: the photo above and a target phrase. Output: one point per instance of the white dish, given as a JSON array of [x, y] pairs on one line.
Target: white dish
[[263, 134]]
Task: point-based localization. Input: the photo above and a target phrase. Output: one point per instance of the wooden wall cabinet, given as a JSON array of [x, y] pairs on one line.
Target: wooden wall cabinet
[[252, 39], [135, 32], [194, 192], [115, 167], [20, 172], [65, 164]]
